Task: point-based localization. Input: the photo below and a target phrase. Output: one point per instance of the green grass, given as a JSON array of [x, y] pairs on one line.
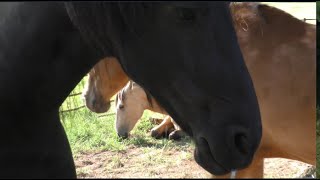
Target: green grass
[[87, 132]]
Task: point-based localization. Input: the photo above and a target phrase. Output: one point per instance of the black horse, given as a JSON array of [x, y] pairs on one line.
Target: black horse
[[47, 47]]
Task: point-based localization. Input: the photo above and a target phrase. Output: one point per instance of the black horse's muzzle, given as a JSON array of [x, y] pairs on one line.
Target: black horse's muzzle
[[225, 149]]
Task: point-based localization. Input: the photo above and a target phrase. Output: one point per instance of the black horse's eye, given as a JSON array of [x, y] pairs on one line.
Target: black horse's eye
[[186, 14]]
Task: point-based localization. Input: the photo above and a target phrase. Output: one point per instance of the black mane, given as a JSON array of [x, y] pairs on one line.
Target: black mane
[[103, 22]]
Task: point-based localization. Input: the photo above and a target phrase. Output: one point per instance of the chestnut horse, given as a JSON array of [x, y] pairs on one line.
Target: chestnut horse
[[281, 60], [280, 53]]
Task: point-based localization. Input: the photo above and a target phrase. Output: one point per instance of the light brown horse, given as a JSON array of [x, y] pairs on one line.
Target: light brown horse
[[280, 53], [105, 79]]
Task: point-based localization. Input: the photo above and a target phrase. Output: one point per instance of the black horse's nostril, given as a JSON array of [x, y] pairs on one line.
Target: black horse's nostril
[[241, 143]]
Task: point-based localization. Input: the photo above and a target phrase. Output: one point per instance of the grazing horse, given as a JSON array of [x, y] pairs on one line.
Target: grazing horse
[[46, 48], [105, 79], [131, 102], [281, 61]]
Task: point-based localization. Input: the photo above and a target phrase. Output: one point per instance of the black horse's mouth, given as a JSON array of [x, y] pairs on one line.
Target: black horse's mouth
[[203, 156]]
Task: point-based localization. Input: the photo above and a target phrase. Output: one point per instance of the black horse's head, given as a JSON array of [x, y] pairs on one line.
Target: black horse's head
[[187, 56]]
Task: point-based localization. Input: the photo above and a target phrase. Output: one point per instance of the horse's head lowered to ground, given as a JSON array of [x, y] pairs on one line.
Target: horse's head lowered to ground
[[187, 56]]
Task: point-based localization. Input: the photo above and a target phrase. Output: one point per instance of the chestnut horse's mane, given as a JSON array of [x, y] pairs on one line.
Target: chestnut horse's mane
[[254, 16]]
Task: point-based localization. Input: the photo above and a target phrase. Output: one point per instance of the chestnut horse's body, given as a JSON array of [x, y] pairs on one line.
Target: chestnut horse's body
[[280, 52]]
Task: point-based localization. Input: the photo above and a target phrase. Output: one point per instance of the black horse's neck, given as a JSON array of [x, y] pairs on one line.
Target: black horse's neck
[[42, 58], [100, 22], [41, 52]]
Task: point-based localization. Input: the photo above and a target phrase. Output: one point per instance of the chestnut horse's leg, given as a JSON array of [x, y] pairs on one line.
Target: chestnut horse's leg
[[178, 133], [159, 130]]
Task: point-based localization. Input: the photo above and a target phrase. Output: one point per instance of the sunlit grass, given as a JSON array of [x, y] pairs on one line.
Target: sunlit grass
[[91, 132]]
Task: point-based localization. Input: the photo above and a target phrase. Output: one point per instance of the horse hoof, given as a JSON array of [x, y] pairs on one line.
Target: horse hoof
[[123, 136], [155, 134], [174, 136]]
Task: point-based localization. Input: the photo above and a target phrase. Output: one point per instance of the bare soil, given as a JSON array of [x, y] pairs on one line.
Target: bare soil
[[156, 163]]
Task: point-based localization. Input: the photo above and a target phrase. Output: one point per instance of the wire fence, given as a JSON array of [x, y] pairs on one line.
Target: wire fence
[[75, 102]]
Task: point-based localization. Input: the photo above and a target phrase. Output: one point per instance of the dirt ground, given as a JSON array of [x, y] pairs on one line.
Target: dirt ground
[[137, 163]]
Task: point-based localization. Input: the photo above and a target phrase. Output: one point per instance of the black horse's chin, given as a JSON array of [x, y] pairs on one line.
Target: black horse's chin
[[205, 159]]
